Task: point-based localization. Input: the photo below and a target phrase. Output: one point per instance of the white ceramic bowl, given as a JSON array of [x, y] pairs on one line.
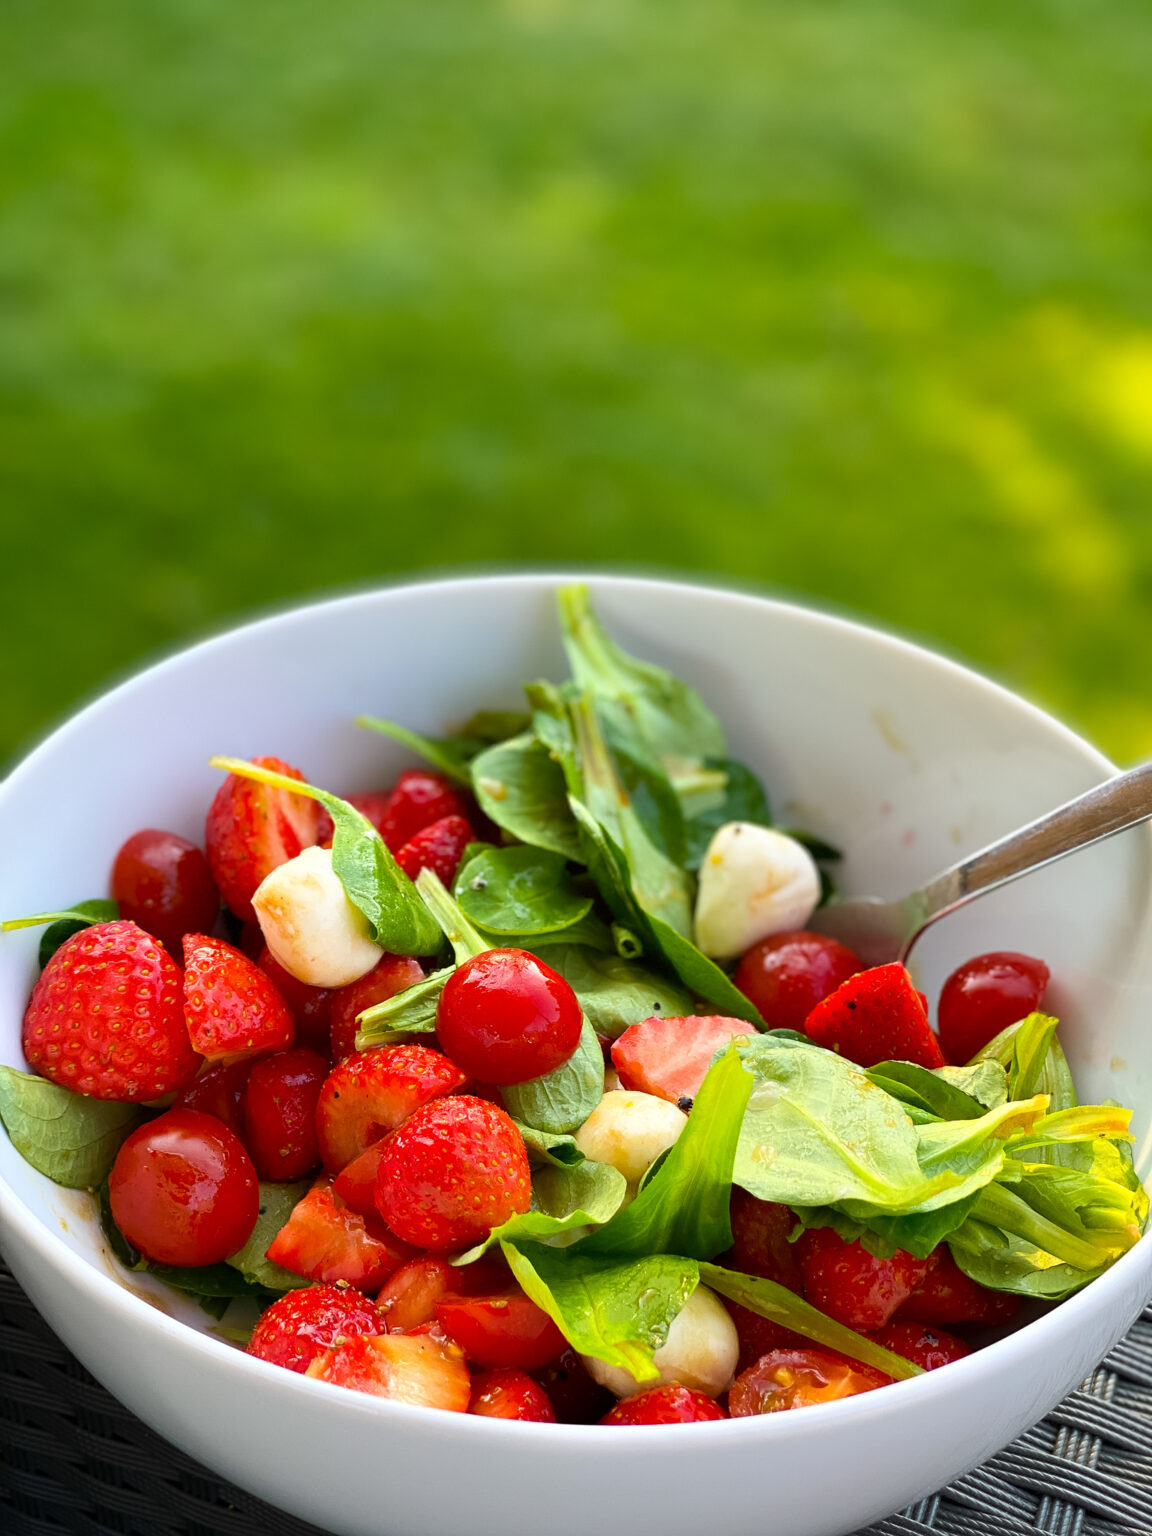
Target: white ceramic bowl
[[902, 758]]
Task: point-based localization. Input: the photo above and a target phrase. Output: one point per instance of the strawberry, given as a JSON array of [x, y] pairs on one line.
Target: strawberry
[[219, 1090], [760, 1240], [874, 1016], [670, 1057], [230, 1006], [324, 1240], [509, 1394], [391, 974], [927, 1347], [252, 829], [505, 1329], [850, 1284], [418, 799], [438, 847], [300, 1325], [356, 1182], [373, 1092], [373, 806], [403, 1367], [106, 1017], [947, 1295], [672, 1404], [454, 1169], [311, 1007], [409, 1299]]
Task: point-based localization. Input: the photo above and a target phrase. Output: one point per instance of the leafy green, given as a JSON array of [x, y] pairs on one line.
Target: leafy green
[[952, 1093], [596, 1190], [80, 915], [684, 1208], [616, 1311], [520, 891], [614, 993], [701, 975], [277, 1202], [741, 799], [411, 1012], [451, 755], [375, 884], [562, 1099], [554, 1149], [781, 1305], [70, 1138], [449, 918], [1031, 1054], [522, 789]]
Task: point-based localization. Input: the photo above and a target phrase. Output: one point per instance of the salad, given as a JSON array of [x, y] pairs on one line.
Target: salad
[[522, 1087]]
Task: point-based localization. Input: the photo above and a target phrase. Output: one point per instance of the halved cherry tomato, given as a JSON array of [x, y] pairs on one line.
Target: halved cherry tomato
[[798, 1378]]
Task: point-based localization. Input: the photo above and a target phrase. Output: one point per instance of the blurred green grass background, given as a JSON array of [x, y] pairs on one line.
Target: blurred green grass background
[[850, 301]]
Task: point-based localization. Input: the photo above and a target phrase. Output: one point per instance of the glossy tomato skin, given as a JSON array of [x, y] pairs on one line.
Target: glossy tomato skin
[[506, 1330], [798, 1378], [280, 1113], [183, 1190], [672, 1404], [311, 1007], [785, 976], [985, 995], [505, 1017], [219, 1090], [164, 884]]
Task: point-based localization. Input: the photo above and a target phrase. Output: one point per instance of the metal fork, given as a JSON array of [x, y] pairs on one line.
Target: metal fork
[[879, 931]]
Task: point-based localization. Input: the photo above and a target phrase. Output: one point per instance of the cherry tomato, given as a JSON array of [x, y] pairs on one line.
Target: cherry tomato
[[311, 1006], [219, 1091], [183, 1189], [927, 1347], [760, 1246], [280, 1113], [164, 884], [505, 1017], [672, 1404], [785, 976], [509, 1329], [575, 1397], [507, 1394], [797, 1378], [984, 996]]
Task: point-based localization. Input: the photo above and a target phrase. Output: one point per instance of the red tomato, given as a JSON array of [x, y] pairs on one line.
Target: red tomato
[[575, 1397], [672, 1404], [502, 1330], [390, 974], [219, 1091], [984, 996], [786, 975], [163, 883], [183, 1190], [927, 1347], [505, 1017], [506, 1394], [797, 1378], [311, 1007], [280, 1113]]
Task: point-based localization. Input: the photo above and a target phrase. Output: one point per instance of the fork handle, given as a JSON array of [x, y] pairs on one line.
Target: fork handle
[[1118, 803]]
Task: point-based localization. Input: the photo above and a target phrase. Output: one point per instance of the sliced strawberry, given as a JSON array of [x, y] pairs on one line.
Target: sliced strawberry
[[410, 1298], [438, 847], [300, 1325], [252, 829], [407, 1369], [219, 1090], [230, 1007], [850, 1284], [761, 1230], [927, 1347], [672, 1404], [106, 1017], [455, 1169], [670, 1057], [508, 1330], [356, 1183], [373, 1092], [418, 799], [311, 1006], [946, 1294], [875, 1016], [508, 1394], [390, 975], [324, 1240]]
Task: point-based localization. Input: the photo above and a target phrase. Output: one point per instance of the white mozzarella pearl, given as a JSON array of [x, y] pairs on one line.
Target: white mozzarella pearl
[[754, 882], [701, 1351], [309, 924], [630, 1130]]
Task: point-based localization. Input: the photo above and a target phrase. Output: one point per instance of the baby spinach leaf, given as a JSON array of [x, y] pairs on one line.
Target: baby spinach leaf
[[618, 1312], [411, 1012], [596, 1190], [562, 1099], [702, 976], [614, 993], [450, 755], [208, 1281], [277, 1202], [951, 1093], [550, 1148], [684, 1208], [82, 914], [522, 789], [742, 798], [375, 884], [591, 932], [774, 1301], [72, 1139], [520, 891]]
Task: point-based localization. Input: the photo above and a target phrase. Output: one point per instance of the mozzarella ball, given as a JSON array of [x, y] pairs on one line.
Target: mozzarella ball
[[309, 924], [630, 1130], [754, 882], [701, 1351]]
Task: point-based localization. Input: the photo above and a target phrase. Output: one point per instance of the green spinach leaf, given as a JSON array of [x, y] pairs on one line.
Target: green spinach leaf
[[450, 755], [408, 1013], [81, 915], [562, 1099], [277, 1202], [596, 1190], [72, 1139], [951, 1093], [522, 789], [741, 799], [614, 993], [520, 891], [555, 1149]]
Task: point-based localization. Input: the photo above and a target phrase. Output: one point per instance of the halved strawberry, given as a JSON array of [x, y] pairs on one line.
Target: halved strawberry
[[874, 1016], [409, 1298], [508, 1329], [300, 1325], [418, 799], [390, 974], [311, 1006], [509, 1394], [230, 1007], [945, 1294], [670, 1057], [252, 829], [850, 1284], [407, 1368], [373, 1092], [356, 1183], [324, 1240], [439, 847]]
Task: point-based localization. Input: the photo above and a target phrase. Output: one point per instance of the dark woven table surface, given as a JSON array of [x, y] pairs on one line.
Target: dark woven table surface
[[73, 1462]]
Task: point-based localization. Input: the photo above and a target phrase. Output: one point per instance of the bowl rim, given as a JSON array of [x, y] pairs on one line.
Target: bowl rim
[[101, 1289]]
